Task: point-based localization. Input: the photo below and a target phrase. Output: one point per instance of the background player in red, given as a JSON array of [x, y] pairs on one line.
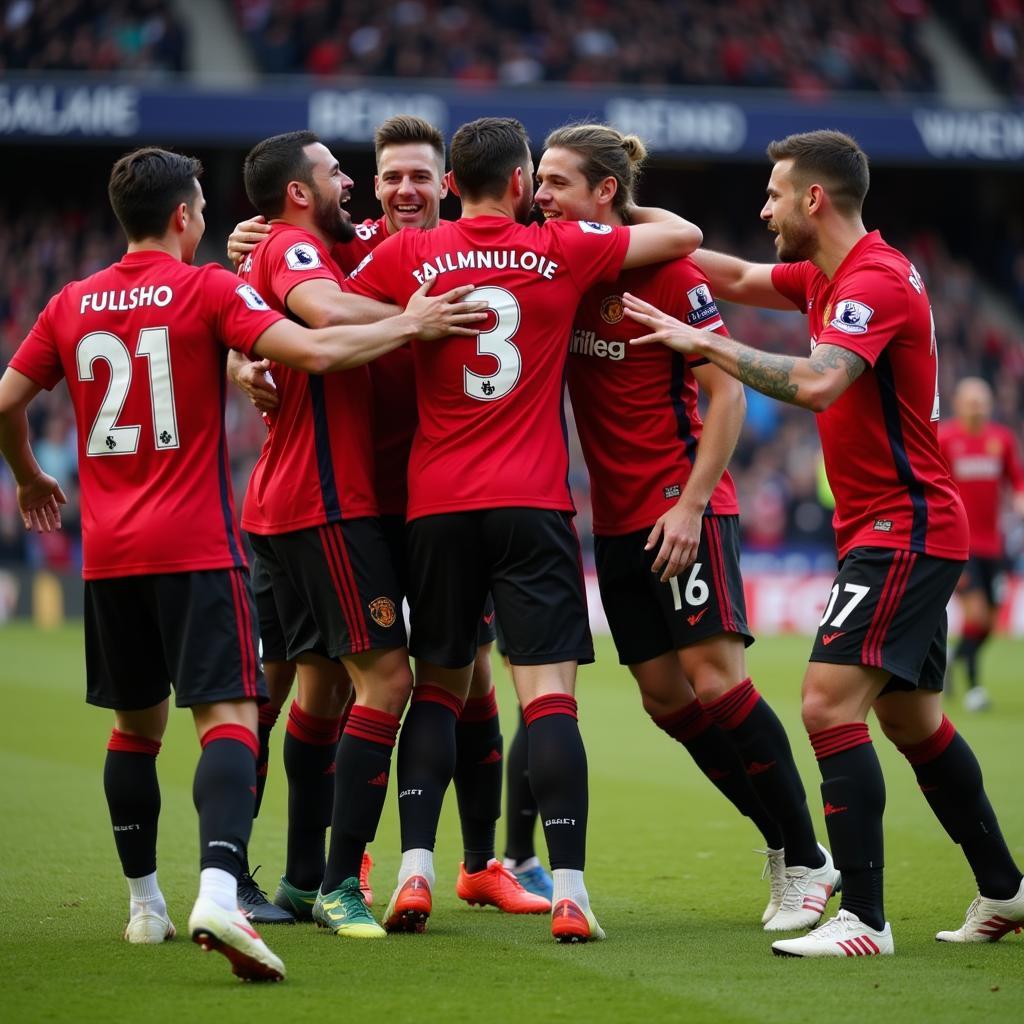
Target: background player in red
[[984, 461], [666, 522], [901, 531], [143, 347], [410, 183], [489, 504]]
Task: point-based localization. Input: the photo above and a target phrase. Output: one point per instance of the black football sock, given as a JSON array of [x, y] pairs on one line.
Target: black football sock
[[967, 652], [224, 794], [310, 744], [267, 719], [478, 765], [133, 797], [764, 748], [558, 777], [426, 763], [950, 779], [520, 805], [360, 786], [853, 795], [716, 756]]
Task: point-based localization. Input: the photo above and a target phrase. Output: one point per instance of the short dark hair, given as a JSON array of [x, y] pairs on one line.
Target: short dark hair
[[485, 152], [147, 185], [271, 164], [406, 129], [832, 158]]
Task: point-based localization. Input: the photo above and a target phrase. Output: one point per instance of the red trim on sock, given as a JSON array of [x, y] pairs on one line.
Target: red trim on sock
[[550, 704], [480, 709], [126, 743], [685, 724], [230, 731], [268, 715], [837, 738], [312, 729], [437, 695], [372, 725], [931, 748], [731, 709]]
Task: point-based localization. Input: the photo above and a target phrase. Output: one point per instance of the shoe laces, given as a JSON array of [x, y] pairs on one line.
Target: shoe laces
[[248, 890], [842, 922], [352, 899]]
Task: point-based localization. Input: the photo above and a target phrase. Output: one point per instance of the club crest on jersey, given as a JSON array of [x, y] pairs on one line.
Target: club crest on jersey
[[589, 227], [851, 317], [302, 256], [382, 611], [251, 298], [611, 309]]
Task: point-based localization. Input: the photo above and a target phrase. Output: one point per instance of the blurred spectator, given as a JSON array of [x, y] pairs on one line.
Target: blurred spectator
[[994, 31]]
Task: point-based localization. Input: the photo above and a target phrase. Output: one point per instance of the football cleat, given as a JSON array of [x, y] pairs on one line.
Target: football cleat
[[364, 878], [496, 886], [297, 902], [571, 923], [344, 912], [989, 920], [843, 935], [230, 933], [253, 902], [775, 871], [409, 907], [977, 699], [806, 892], [147, 928], [537, 881]]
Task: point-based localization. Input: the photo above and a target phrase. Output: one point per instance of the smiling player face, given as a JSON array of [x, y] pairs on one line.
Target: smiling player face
[[410, 185], [563, 192], [795, 235], [332, 189]]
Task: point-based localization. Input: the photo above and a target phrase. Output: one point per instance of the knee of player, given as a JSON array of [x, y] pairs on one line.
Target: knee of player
[[819, 709]]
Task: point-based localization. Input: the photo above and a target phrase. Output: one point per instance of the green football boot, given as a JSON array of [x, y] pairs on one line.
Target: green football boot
[[344, 911], [298, 902]]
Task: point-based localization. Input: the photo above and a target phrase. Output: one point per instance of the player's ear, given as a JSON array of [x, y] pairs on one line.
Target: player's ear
[[607, 190], [181, 216], [452, 184], [296, 192], [814, 198], [445, 185]]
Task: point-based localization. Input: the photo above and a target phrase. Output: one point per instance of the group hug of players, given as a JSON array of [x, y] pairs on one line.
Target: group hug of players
[[416, 449]]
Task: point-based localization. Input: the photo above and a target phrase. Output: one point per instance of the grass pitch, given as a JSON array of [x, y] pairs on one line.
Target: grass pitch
[[670, 871]]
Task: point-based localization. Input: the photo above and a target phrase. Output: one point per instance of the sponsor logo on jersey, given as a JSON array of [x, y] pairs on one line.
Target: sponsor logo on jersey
[[589, 227], [382, 611], [979, 467], [883, 526], [302, 256], [587, 343], [611, 309], [672, 492], [367, 231], [251, 298], [851, 317], [704, 311]]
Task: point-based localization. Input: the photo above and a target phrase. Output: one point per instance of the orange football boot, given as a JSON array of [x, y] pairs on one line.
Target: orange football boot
[[571, 923], [496, 886], [409, 907], [364, 878]]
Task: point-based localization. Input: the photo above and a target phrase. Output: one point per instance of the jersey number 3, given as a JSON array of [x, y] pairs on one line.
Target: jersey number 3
[[496, 343], [106, 437]]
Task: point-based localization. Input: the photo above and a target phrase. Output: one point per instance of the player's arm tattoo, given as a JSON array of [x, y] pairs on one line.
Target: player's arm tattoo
[[834, 357], [767, 372]]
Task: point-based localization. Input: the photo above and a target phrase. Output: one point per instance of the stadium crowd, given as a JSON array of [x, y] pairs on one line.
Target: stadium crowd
[[776, 465], [808, 48], [994, 29]]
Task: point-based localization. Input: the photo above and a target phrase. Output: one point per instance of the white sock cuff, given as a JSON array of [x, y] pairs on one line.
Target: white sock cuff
[[144, 889]]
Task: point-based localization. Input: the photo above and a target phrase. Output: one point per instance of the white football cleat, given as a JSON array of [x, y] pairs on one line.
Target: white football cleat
[[843, 935], [807, 891], [148, 928], [977, 699], [989, 920], [775, 871], [231, 933]]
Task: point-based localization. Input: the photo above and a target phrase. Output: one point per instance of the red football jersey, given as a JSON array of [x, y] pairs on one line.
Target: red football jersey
[[492, 432], [143, 345], [636, 406], [393, 377], [981, 464], [316, 465], [880, 441]]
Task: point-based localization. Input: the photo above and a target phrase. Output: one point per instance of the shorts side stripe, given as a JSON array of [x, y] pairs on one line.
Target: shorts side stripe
[[900, 588], [243, 623], [344, 597], [350, 576], [892, 593], [719, 575]]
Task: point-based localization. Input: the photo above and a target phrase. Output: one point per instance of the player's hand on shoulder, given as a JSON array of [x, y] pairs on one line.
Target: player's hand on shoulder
[[439, 316], [678, 531], [663, 328], [246, 235], [39, 501]]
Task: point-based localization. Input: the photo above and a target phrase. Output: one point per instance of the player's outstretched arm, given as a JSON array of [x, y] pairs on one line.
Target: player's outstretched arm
[[656, 235], [677, 531], [738, 280], [39, 495], [814, 383], [323, 303], [328, 349], [245, 236]]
